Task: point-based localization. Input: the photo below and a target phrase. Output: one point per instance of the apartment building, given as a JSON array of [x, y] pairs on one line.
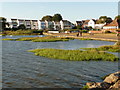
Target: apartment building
[[29, 24], [63, 24]]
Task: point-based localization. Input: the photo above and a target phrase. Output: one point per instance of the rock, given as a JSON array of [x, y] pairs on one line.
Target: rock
[[98, 85], [116, 85], [93, 84], [112, 78], [117, 43], [111, 82], [104, 85]]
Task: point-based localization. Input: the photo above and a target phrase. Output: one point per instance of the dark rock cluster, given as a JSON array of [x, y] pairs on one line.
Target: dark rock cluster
[[111, 82]]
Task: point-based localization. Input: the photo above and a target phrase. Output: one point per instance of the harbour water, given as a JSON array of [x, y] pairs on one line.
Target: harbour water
[[22, 69]]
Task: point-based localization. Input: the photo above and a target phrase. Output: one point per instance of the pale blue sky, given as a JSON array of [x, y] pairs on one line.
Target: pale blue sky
[[69, 10]]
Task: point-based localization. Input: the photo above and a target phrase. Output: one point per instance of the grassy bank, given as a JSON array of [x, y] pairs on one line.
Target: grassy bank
[[110, 48], [22, 32], [41, 39], [75, 55]]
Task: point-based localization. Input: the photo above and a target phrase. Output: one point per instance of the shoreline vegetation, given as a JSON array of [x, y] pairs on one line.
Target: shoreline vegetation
[[86, 36], [41, 39], [75, 55], [22, 32], [109, 48]]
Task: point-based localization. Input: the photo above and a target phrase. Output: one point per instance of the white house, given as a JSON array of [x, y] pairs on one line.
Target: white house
[[65, 24], [113, 25], [42, 24], [57, 25], [34, 24], [14, 23], [92, 23], [29, 24], [99, 26]]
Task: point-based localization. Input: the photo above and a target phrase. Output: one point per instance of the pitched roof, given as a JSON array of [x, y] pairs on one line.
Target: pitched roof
[[86, 21], [113, 23]]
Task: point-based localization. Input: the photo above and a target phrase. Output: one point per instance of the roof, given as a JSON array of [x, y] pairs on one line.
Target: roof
[[79, 22], [21, 19], [13, 19], [113, 23], [86, 21]]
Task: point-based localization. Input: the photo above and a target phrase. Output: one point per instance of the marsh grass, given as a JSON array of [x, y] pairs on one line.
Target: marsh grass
[[9, 39], [75, 55], [84, 87], [41, 39], [85, 39], [110, 48], [22, 32]]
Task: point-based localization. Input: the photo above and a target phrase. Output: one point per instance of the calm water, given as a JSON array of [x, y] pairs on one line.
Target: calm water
[[22, 69]]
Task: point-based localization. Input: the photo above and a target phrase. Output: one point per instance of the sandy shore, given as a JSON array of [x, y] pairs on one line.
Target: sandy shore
[[105, 37]]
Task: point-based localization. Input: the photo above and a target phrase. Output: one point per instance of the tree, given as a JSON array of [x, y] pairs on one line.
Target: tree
[[22, 26], [108, 20], [2, 23], [57, 17], [79, 27], [104, 19], [118, 20], [117, 17], [48, 18]]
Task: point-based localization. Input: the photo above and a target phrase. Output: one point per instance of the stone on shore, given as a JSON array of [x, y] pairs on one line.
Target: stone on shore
[[111, 82]]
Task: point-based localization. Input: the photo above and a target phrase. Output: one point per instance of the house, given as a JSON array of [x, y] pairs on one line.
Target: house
[[79, 23], [21, 21], [42, 24], [46, 24], [91, 23], [57, 25], [85, 23], [65, 24], [14, 23], [28, 24], [113, 25], [34, 24], [49, 25], [99, 26]]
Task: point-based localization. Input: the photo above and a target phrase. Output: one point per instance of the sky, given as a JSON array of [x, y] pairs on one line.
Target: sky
[[72, 11]]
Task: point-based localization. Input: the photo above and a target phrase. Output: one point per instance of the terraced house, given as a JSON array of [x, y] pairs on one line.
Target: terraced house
[[40, 24], [29, 24], [52, 25]]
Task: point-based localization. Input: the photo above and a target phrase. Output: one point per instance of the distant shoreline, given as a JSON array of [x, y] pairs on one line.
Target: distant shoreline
[[103, 37]]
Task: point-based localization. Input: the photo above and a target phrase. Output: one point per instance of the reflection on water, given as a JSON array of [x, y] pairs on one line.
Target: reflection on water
[[22, 69]]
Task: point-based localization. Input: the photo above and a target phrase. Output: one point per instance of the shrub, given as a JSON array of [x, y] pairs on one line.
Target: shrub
[[85, 31], [107, 32]]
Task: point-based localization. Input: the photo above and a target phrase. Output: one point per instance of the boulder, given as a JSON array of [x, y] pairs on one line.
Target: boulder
[[112, 78], [93, 84], [111, 82], [116, 85]]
